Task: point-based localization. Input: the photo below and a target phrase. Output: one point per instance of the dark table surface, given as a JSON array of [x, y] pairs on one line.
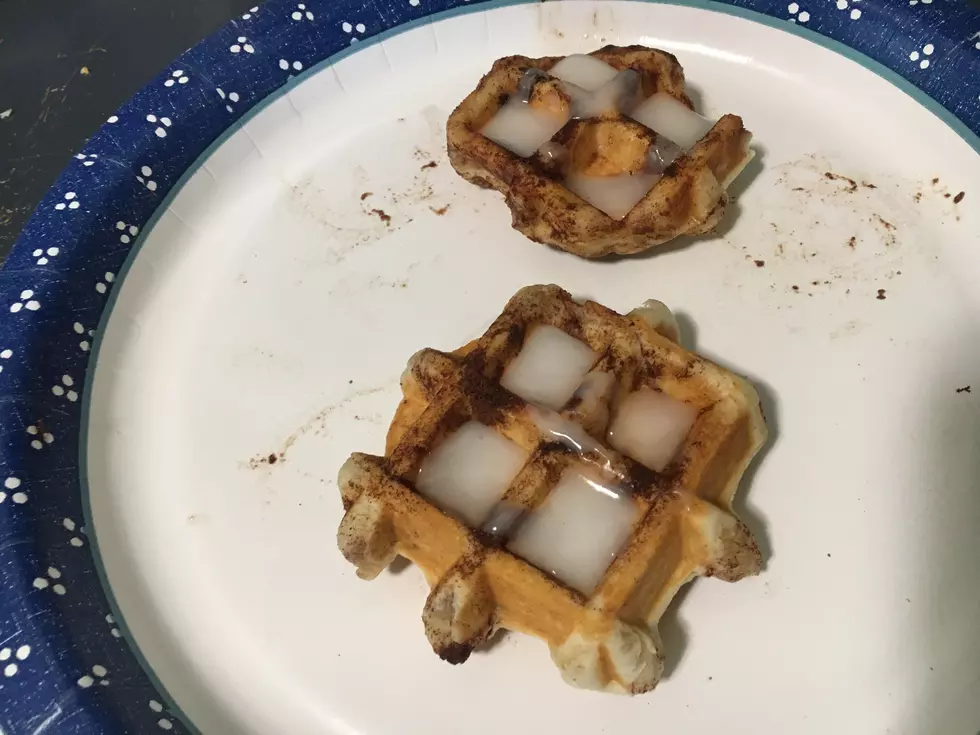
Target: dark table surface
[[65, 67]]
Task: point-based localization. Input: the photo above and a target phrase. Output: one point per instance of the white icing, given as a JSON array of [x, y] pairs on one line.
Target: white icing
[[577, 531], [469, 471], [520, 128], [570, 434], [620, 93], [650, 427], [553, 151], [593, 390], [596, 89], [584, 71], [502, 519], [549, 367], [614, 195], [662, 153], [672, 119]]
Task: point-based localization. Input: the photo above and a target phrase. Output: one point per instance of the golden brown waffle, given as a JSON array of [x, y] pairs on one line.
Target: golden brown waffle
[[607, 640], [689, 199]]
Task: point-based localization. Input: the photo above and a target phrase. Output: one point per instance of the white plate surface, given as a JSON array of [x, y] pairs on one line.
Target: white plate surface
[[271, 311]]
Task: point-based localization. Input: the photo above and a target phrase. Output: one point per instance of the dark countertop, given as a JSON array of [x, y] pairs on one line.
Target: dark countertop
[[65, 67]]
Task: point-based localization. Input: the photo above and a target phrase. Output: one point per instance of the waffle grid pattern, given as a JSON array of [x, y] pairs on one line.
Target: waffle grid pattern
[[685, 528], [690, 197]]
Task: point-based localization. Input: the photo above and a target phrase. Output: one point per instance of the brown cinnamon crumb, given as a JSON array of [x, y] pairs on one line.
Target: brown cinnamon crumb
[[760, 263], [255, 462], [430, 164], [935, 181], [441, 210], [881, 294], [866, 185], [796, 288], [366, 194], [959, 197], [888, 225], [851, 183], [852, 243], [383, 216]]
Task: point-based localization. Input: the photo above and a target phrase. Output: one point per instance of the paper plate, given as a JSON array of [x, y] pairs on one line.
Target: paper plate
[[213, 305]]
